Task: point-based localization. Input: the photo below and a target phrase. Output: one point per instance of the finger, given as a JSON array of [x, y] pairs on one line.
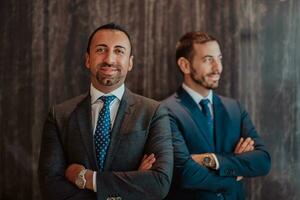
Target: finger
[[246, 146], [245, 143], [250, 146], [237, 148], [150, 161], [144, 157], [151, 156], [239, 144], [147, 161], [147, 165]]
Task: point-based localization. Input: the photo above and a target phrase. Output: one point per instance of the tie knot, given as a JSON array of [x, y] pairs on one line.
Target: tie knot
[[204, 102], [107, 99]]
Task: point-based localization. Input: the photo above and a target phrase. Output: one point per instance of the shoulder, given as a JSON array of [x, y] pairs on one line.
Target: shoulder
[[226, 100], [171, 100], [145, 100], [140, 101], [230, 104], [147, 106], [175, 106], [69, 105]]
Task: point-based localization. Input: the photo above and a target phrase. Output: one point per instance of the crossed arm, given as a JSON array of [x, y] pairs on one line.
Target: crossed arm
[[74, 169], [248, 158], [151, 179], [244, 145]]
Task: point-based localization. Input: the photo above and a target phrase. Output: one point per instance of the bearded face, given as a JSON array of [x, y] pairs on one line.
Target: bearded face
[[109, 59], [206, 66]]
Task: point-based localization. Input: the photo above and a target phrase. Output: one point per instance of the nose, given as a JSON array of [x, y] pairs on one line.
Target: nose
[[110, 58], [217, 65]]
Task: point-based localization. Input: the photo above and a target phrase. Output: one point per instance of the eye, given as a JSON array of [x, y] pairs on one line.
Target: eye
[[100, 50], [119, 51], [208, 60]]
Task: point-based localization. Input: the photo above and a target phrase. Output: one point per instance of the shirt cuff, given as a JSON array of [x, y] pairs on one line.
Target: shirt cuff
[[216, 160], [94, 181]]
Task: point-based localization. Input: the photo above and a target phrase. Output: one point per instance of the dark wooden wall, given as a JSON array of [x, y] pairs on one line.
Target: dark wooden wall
[[42, 45]]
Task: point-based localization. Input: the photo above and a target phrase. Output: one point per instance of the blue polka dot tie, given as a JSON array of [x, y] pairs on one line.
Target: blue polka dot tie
[[102, 133], [206, 111]]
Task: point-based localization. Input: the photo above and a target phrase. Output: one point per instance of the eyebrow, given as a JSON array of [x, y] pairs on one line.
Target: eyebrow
[[207, 56], [210, 56], [104, 45], [119, 46]]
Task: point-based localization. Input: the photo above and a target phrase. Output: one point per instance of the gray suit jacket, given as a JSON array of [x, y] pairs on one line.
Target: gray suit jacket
[[141, 127]]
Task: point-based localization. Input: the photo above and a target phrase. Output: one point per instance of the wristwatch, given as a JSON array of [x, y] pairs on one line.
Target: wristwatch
[[80, 180], [209, 161]]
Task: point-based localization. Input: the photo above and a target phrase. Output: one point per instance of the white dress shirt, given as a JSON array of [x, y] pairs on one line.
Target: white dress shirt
[[198, 97], [97, 105]]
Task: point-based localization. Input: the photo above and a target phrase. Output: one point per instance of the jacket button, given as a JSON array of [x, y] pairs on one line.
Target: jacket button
[[220, 196]]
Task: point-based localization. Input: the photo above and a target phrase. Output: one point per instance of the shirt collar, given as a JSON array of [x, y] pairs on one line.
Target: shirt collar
[[196, 96], [96, 94]]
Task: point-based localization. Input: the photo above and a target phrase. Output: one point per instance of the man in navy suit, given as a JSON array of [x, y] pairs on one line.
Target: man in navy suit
[[215, 143]]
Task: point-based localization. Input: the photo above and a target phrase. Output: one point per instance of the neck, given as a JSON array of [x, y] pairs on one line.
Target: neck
[[197, 87], [105, 89]]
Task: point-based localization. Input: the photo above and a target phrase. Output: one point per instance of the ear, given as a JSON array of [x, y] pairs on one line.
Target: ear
[[87, 60], [130, 63], [184, 65]]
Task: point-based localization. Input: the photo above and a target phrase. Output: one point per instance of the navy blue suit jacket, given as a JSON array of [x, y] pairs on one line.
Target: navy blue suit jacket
[[231, 122]]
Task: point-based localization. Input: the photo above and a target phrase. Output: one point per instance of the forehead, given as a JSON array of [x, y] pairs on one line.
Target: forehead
[[110, 38], [208, 48]]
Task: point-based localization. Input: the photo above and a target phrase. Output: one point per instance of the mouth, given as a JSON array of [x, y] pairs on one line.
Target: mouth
[[108, 70], [214, 77]]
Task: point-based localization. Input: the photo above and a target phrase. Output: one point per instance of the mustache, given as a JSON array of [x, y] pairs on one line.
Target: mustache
[[105, 64], [214, 73]]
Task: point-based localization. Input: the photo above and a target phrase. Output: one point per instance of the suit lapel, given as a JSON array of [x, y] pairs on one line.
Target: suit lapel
[[85, 126], [196, 114], [122, 119], [221, 122]]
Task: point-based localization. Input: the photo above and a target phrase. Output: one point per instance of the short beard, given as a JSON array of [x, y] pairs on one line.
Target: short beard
[[106, 80], [201, 81]]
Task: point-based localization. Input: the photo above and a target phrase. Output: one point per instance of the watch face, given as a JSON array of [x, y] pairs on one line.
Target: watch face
[[206, 160]]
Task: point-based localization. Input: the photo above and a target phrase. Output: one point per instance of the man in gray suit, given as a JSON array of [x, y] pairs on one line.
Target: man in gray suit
[[109, 143]]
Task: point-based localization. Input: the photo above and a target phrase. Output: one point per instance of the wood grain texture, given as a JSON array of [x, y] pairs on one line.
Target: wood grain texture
[[42, 51]]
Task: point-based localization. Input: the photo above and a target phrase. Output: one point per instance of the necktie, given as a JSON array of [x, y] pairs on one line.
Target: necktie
[[102, 133], [206, 111]]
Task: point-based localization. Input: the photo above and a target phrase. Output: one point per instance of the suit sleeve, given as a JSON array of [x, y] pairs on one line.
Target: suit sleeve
[[52, 165], [191, 174], [248, 164], [150, 184]]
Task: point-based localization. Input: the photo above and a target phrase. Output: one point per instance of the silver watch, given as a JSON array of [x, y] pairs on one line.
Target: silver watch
[[80, 180]]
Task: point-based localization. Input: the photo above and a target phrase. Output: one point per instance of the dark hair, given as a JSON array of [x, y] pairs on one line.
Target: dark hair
[[109, 26], [184, 47]]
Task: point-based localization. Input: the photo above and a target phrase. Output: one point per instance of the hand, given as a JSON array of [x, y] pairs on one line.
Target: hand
[[147, 162], [244, 145], [72, 172], [198, 158]]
